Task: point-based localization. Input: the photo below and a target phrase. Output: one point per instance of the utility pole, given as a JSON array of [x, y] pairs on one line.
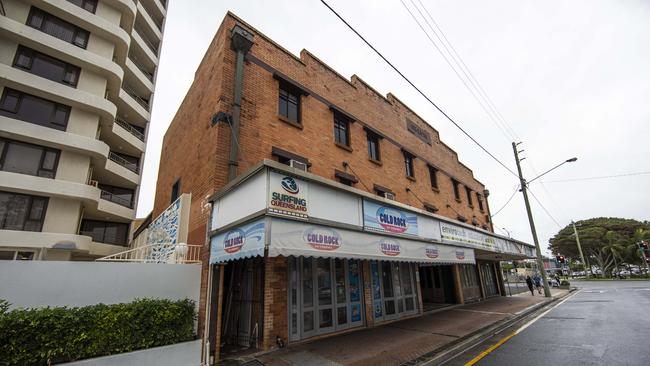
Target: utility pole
[[540, 263], [584, 264]]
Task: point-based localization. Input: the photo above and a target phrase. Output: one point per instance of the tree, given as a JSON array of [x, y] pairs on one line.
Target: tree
[[605, 241]]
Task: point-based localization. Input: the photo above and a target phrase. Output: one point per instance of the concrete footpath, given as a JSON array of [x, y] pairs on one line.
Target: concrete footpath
[[410, 340]]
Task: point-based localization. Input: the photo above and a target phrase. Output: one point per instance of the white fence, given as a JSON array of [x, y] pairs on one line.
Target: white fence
[[43, 283]]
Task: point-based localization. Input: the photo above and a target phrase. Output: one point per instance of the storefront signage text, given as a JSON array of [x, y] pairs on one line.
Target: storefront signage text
[[322, 238], [389, 219], [288, 196]]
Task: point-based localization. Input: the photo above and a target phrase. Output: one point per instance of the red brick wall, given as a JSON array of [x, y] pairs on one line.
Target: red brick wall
[[275, 302], [197, 153]]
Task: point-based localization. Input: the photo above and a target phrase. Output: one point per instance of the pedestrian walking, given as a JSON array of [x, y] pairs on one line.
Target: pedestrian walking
[[529, 282], [538, 284]]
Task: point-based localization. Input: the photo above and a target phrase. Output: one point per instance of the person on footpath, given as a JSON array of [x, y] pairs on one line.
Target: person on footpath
[[529, 282], [538, 283]]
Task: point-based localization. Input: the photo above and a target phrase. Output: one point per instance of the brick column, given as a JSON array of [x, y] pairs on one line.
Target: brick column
[[217, 343], [480, 280], [458, 288], [367, 293], [419, 290], [275, 302]]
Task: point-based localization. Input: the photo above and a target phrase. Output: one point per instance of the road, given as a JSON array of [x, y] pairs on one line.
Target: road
[[605, 323]]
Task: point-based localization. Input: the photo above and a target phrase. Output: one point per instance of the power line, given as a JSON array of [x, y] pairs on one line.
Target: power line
[[418, 90], [595, 178], [444, 56], [545, 210], [508, 201], [468, 73]]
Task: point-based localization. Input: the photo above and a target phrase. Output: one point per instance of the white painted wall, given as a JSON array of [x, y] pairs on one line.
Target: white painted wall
[[248, 198], [179, 354], [45, 283]]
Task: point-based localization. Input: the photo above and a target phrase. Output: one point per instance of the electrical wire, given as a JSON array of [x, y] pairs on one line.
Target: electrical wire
[[544, 208], [507, 202], [444, 56], [596, 178], [418, 89]]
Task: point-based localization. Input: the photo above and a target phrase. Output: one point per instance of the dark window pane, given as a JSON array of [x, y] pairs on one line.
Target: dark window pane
[[25, 256], [45, 66], [57, 27], [292, 112], [22, 158], [35, 110], [49, 160], [6, 255], [106, 232], [289, 105], [10, 101], [21, 212]]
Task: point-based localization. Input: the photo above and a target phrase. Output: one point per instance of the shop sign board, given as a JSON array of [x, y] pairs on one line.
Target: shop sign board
[[301, 239], [459, 234], [240, 242], [384, 218], [288, 196]]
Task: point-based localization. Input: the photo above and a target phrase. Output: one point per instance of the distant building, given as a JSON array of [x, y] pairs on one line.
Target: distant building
[[76, 83], [326, 205]]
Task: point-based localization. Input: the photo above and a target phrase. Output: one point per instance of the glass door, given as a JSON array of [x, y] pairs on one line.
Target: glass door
[[325, 302], [308, 304], [393, 289], [355, 291]]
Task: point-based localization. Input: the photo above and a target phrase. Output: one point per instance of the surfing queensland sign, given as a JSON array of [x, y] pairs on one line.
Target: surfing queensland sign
[[378, 217], [288, 196]]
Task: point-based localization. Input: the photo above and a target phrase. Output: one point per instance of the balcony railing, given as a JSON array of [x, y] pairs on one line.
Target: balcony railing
[[138, 64], [148, 42], [123, 162], [143, 102], [108, 196], [127, 126], [159, 253]]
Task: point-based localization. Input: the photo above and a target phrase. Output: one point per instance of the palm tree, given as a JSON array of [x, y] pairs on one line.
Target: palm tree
[[613, 247]]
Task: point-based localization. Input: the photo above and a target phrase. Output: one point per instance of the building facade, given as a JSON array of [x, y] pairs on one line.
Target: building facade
[[77, 79], [327, 206]]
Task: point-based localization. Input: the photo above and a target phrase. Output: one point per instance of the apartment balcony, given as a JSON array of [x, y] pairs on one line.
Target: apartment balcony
[[132, 166], [130, 129], [152, 27], [108, 196]]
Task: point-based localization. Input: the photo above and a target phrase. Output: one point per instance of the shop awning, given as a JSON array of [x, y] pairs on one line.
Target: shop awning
[[293, 238]]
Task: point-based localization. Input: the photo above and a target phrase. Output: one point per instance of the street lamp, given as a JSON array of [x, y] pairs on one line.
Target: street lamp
[[507, 231], [522, 181]]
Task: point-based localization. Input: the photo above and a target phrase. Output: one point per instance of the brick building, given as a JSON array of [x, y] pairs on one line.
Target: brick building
[[254, 109]]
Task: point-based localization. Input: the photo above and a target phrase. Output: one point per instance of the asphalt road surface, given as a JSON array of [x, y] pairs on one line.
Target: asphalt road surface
[[605, 323]]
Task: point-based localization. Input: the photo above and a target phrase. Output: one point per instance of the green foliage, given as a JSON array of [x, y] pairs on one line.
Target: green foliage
[[53, 335]]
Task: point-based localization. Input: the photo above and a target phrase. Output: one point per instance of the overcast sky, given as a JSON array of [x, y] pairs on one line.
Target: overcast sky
[[571, 78]]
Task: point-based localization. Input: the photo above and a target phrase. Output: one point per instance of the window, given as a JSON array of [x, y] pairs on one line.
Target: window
[[479, 199], [23, 158], [89, 5], [341, 129], [106, 232], [56, 27], [285, 157], [28, 108], [45, 66], [468, 191], [433, 175], [430, 208], [289, 104], [373, 146], [345, 178], [119, 195], [384, 192], [22, 212], [408, 164], [18, 256], [455, 184], [176, 190]]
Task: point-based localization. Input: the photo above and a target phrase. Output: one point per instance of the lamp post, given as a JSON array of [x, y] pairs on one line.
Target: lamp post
[[584, 264], [507, 231], [522, 181]]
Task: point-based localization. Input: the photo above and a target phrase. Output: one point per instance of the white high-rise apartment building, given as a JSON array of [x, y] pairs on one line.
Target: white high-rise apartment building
[[77, 79]]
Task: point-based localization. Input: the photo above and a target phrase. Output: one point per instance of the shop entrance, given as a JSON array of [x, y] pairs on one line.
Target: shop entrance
[[325, 295], [470, 283], [489, 279], [393, 289], [242, 313], [436, 285]]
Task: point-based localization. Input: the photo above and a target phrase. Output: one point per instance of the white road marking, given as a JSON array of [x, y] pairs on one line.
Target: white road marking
[[544, 313]]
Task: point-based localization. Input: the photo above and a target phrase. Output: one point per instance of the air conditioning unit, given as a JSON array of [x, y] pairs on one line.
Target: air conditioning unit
[[389, 195], [92, 183], [298, 165]]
